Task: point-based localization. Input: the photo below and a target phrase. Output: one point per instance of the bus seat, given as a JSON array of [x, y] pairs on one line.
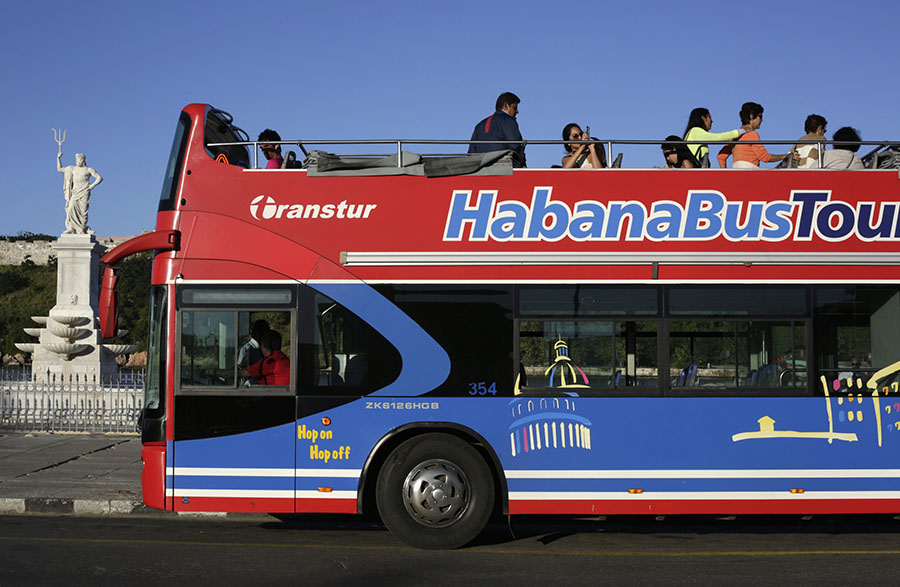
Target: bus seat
[[768, 374], [290, 160], [338, 364], [617, 162], [615, 378], [691, 378], [355, 370], [752, 377]]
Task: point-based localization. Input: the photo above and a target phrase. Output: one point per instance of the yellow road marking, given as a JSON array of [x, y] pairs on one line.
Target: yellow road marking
[[474, 550]]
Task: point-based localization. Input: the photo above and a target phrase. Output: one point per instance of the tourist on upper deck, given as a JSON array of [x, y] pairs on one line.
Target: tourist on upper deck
[[807, 156], [843, 156], [583, 156], [677, 154], [748, 156], [501, 126], [697, 129], [271, 150]]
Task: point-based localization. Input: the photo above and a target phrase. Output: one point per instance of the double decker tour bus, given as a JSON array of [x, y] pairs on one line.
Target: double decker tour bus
[[465, 338]]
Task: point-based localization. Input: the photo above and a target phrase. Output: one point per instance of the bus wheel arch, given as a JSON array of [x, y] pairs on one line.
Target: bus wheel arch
[[390, 442], [435, 491]]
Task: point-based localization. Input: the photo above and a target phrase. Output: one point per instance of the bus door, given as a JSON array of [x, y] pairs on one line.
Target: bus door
[[347, 360], [234, 399]]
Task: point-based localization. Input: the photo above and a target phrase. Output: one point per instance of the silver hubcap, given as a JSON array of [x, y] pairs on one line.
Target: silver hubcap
[[436, 493]]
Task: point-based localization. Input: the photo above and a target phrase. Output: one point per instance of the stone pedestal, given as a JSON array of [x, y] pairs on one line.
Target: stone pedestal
[[70, 347]]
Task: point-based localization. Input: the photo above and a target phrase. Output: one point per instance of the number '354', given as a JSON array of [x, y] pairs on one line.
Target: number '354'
[[482, 388]]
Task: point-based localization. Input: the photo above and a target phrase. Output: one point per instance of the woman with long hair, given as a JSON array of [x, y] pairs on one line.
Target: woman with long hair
[[583, 156], [677, 154], [697, 129]]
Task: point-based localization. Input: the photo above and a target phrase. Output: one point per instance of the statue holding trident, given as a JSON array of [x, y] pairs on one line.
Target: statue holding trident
[[77, 188]]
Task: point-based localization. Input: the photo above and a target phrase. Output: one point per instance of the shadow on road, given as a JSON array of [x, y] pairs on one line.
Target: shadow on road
[[549, 529]]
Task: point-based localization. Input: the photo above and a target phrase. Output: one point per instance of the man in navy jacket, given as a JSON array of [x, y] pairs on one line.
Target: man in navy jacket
[[501, 126]]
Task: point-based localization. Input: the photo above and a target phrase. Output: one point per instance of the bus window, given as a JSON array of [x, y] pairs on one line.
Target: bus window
[[737, 301], [225, 348], [351, 355], [710, 354], [588, 300], [176, 159], [219, 129], [208, 342], [252, 328], [473, 324], [156, 357], [857, 331], [581, 356]]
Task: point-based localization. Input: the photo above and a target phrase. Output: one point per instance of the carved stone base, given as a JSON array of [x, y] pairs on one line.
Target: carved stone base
[[70, 348]]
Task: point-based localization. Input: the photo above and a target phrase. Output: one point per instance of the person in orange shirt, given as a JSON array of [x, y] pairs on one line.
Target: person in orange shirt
[[748, 156]]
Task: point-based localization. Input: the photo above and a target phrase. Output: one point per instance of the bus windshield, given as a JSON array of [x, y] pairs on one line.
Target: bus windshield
[[155, 350], [173, 169]]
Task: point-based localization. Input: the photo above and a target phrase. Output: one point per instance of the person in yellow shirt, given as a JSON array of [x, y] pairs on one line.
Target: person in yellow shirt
[[699, 123]]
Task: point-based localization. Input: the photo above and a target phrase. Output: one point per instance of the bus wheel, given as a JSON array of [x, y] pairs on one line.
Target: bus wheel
[[435, 491]]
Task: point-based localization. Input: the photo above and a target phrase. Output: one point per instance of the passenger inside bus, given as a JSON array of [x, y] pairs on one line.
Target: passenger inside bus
[[251, 353], [275, 368]]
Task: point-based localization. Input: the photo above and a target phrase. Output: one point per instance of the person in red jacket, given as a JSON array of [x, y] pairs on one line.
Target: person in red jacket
[[275, 368]]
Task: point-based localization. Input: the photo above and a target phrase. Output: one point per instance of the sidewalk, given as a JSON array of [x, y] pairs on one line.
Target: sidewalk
[[70, 474]]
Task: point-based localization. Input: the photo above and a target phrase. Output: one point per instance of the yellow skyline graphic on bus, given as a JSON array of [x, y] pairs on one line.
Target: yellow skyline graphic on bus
[[767, 424]]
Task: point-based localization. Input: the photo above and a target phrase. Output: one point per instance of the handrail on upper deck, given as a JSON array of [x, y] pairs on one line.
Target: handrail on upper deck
[[608, 143]]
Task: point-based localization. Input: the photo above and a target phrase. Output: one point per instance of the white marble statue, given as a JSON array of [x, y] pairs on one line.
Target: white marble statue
[[77, 188]]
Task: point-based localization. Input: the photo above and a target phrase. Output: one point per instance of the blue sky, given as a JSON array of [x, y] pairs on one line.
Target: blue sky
[[116, 74]]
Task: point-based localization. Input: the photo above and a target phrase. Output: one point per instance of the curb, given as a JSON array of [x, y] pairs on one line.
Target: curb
[[83, 507], [100, 507]]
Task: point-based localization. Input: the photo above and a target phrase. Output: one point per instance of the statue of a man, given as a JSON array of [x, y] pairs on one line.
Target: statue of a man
[[77, 188]]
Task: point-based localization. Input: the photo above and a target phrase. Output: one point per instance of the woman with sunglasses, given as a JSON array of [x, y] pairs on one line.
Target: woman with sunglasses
[[677, 155], [271, 149], [697, 129], [583, 156]]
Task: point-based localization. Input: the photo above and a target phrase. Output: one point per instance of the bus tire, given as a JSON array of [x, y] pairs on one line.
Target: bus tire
[[435, 491]]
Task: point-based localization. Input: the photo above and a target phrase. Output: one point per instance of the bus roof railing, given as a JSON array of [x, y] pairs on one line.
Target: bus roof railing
[[608, 144]]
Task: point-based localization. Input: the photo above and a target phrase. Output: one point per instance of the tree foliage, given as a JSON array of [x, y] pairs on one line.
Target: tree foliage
[[28, 290]]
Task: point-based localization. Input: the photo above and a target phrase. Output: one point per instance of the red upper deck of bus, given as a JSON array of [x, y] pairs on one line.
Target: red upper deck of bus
[[520, 225]]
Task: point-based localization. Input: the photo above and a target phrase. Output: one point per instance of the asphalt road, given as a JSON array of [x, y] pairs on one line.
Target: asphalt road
[[169, 550]]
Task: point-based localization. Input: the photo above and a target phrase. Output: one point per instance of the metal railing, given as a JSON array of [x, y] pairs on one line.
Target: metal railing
[[70, 405], [607, 143]]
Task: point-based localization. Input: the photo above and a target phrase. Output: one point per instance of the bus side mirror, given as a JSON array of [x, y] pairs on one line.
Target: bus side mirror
[[108, 303]]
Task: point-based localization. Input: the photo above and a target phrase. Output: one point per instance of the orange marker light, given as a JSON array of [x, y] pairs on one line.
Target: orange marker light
[[325, 489], [326, 421], [797, 490], [635, 490]]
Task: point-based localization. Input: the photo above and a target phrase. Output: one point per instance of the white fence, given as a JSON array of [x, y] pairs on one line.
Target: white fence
[[112, 405]]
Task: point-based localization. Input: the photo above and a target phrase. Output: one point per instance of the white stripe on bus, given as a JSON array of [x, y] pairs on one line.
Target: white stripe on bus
[[707, 474], [260, 493], [696, 495], [253, 472]]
